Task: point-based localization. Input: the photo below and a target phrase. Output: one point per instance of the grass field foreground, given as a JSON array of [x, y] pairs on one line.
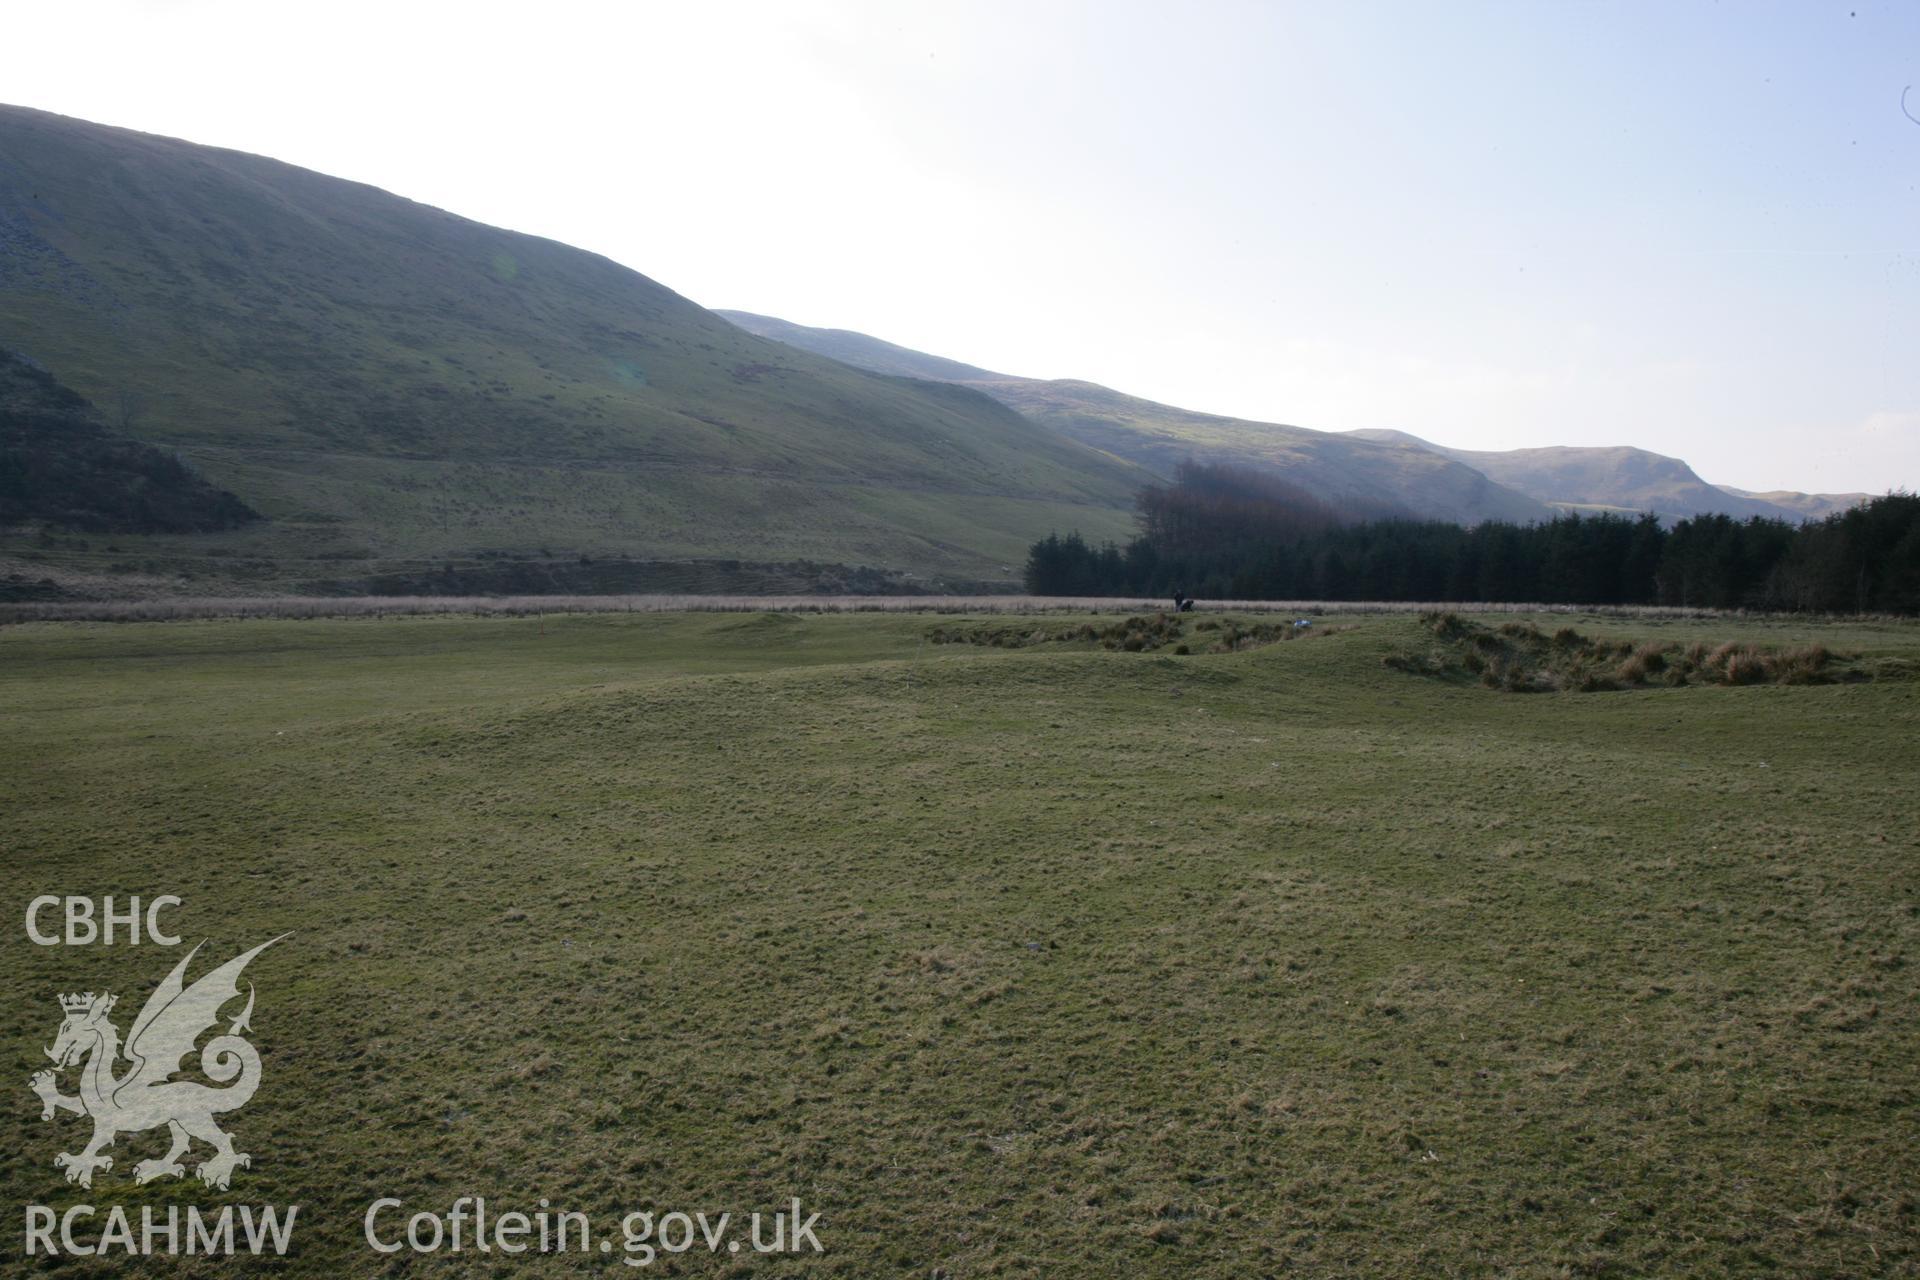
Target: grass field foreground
[[1037, 961]]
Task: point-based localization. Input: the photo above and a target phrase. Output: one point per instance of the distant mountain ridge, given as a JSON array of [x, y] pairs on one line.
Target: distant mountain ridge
[[1517, 484], [1368, 477], [398, 390], [1624, 478], [1812, 506]]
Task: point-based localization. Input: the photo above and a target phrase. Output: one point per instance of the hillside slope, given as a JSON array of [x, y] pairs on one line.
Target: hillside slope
[[62, 464], [861, 350], [1516, 484], [1364, 475], [393, 386]]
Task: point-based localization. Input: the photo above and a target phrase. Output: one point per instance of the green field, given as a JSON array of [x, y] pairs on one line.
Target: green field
[[1042, 961]]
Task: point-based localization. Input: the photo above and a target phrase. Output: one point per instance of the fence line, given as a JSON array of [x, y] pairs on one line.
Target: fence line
[[376, 607]]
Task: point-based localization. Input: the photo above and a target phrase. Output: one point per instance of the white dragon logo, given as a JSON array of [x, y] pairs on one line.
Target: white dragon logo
[[145, 1097]]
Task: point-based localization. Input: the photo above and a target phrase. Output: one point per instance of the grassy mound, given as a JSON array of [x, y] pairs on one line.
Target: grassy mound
[[1518, 657]]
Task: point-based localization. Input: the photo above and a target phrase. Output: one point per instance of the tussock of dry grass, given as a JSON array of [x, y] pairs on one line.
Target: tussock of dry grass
[[1140, 633], [1517, 657]]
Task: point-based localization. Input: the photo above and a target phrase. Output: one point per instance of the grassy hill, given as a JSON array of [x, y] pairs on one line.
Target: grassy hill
[[1048, 960], [1368, 478], [1373, 477], [397, 389]]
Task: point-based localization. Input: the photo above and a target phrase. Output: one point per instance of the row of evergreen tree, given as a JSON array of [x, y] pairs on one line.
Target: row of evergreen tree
[[1229, 533]]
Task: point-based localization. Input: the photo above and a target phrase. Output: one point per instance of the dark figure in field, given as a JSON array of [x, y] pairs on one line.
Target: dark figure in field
[[1182, 602]]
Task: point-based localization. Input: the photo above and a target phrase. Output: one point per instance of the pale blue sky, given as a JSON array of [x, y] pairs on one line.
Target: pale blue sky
[[1692, 227]]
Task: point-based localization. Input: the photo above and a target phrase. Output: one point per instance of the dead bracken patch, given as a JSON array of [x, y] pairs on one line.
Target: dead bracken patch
[[1518, 657], [1139, 633]]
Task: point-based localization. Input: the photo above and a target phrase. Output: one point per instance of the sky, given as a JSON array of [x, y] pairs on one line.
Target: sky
[[1687, 226]]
